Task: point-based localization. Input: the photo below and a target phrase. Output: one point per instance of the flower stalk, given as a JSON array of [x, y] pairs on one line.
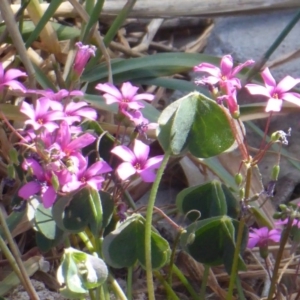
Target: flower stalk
[[148, 225]]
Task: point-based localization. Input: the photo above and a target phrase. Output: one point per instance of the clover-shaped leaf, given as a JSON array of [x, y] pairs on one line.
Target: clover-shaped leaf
[[197, 124], [126, 245], [212, 241]]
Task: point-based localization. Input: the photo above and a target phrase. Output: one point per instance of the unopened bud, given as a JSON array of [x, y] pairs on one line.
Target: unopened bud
[[275, 172], [277, 215], [55, 182], [283, 208], [242, 193], [238, 178]]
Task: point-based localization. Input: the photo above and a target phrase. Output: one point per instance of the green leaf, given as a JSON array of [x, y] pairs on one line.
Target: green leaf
[[197, 124], [156, 65], [208, 199], [95, 221], [119, 252], [42, 79], [72, 214], [12, 112], [218, 235], [63, 32], [54, 4], [45, 244], [108, 207], [45, 223]]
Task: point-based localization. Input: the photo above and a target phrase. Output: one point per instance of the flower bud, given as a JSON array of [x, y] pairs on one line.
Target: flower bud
[[238, 178], [55, 182], [275, 172], [242, 193]]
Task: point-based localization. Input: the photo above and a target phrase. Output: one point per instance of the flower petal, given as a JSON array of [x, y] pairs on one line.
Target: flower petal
[[128, 90], [226, 65], [97, 168], [238, 68], [124, 153], [208, 68], [13, 74], [256, 89], [29, 189], [147, 175], [291, 97], [287, 83], [141, 151], [125, 170], [95, 182], [81, 142], [110, 89], [274, 105], [144, 96], [268, 80], [49, 197], [154, 162]]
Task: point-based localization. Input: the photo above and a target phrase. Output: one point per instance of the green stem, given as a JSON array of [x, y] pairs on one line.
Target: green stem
[[240, 289], [116, 288], [233, 273], [283, 241], [92, 295], [167, 287], [204, 282], [15, 258], [185, 282], [85, 239], [148, 226], [129, 283]]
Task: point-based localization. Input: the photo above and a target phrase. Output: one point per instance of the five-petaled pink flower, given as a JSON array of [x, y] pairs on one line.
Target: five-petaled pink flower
[[127, 96], [42, 185], [136, 161], [223, 75], [276, 93], [40, 116], [8, 79], [91, 176], [262, 236]]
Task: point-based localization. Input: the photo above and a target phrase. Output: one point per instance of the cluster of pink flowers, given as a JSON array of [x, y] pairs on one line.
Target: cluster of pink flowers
[[224, 84], [57, 163], [53, 137], [135, 160]]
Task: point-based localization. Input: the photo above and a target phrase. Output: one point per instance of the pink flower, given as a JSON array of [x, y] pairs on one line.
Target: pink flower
[[57, 96], [75, 111], [261, 237], [82, 57], [276, 93], [8, 79], [127, 96], [42, 185], [296, 222], [40, 116], [223, 75], [91, 176], [136, 161]]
